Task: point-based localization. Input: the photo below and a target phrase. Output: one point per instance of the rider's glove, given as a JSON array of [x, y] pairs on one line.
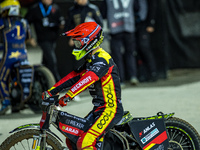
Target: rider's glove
[[46, 95], [63, 100]]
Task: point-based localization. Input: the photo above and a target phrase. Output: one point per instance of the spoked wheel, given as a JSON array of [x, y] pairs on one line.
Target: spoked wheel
[[45, 77], [43, 80], [27, 139], [182, 135]]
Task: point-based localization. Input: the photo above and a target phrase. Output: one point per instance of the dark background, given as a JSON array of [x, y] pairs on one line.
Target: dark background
[[175, 42]]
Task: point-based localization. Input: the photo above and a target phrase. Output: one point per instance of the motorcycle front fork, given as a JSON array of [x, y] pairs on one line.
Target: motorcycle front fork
[[39, 141]]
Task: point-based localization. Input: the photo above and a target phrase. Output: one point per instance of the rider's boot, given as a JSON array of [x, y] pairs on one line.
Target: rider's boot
[[6, 107]]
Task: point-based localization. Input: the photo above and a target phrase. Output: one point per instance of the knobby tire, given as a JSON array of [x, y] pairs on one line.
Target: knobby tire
[[27, 134], [182, 135], [46, 76]]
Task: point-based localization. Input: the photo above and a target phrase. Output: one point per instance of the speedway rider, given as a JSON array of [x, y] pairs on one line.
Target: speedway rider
[[100, 74], [14, 30]]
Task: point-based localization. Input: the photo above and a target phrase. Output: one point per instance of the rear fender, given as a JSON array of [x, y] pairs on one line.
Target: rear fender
[[159, 115], [33, 126]]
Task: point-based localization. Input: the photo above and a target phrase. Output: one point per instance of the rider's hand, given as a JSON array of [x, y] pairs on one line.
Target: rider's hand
[[63, 100], [45, 95]]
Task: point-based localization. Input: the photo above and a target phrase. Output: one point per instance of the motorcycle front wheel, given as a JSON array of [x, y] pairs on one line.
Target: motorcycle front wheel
[[182, 135], [26, 139]]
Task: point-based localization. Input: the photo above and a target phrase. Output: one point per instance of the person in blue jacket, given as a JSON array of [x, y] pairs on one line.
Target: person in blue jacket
[[14, 30]]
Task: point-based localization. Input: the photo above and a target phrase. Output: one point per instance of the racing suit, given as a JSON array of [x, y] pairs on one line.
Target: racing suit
[[14, 32], [100, 75]]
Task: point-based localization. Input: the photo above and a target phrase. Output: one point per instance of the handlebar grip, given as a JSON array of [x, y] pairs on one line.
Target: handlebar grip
[[68, 99]]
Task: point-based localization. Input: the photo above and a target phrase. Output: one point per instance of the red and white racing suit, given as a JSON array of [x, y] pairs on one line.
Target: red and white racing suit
[[100, 75]]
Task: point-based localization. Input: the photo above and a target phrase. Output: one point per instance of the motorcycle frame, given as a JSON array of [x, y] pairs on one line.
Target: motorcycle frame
[[52, 112]]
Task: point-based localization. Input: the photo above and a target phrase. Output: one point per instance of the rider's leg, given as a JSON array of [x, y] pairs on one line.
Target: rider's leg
[[4, 91], [106, 119]]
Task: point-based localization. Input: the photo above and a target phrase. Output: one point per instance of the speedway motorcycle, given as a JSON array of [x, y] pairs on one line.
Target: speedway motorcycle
[[27, 82], [159, 132]]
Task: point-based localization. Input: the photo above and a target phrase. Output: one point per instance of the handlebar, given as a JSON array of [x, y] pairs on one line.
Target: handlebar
[[48, 107], [53, 100]]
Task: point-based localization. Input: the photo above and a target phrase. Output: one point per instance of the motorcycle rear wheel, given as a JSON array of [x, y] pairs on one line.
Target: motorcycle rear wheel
[[24, 140], [43, 80], [182, 135], [45, 77]]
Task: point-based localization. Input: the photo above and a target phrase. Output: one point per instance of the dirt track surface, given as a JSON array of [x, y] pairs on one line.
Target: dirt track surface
[[180, 93]]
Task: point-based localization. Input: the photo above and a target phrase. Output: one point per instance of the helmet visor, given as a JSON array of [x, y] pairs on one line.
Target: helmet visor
[[77, 43]]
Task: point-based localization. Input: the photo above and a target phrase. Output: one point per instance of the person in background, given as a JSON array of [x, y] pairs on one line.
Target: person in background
[[47, 20], [121, 24], [145, 21], [100, 75], [82, 11], [14, 31]]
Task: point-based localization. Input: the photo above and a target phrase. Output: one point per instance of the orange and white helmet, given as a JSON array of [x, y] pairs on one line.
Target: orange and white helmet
[[86, 37]]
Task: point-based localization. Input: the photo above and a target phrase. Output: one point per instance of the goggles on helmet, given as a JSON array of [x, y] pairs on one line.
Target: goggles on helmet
[[79, 50], [77, 43]]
